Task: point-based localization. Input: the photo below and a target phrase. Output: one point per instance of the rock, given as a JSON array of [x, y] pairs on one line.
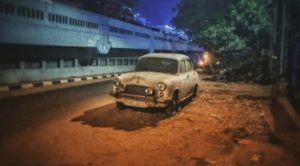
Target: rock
[[256, 158], [213, 115], [203, 161], [217, 117], [240, 133], [189, 119], [245, 142], [197, 129], [261, 115], [227, 130]]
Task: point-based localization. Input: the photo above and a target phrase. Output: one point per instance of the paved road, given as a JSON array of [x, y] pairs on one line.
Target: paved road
[[24, 112], [21, 118]]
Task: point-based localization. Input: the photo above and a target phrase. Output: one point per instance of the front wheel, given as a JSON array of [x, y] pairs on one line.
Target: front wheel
[[172, 108]]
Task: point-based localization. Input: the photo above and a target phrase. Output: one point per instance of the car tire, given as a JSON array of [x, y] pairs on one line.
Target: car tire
[[172, 108], [120, 106], [195, 91]]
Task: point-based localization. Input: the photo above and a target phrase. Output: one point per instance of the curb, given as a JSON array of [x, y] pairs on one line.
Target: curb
[[23, 86]]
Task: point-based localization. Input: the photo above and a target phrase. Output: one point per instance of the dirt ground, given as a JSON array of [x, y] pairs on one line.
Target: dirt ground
[[225, 125]]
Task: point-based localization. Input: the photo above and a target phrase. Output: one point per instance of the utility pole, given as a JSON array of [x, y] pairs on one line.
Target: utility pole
[[273, 40], [283, 39], [279, 43]]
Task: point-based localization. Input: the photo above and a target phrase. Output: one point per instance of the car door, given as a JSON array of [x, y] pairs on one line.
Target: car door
[[183, 76], [191, 76]]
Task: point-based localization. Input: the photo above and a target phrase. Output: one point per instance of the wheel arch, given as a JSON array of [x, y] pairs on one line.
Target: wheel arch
[[176, 93]]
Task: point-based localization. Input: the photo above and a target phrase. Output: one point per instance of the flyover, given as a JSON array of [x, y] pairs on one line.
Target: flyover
[[44, 40]]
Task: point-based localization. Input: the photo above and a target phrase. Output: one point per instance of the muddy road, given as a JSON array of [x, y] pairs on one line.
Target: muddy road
[[227, 124]]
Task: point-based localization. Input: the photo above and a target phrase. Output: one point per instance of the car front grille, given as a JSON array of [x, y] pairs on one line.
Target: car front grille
[[135, 90]]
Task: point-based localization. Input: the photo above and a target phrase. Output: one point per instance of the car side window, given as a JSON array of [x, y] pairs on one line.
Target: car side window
[[192, 64], [188, 66], [182, 67]]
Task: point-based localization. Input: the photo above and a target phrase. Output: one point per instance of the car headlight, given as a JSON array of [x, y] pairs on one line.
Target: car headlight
[[117, 82], [149, 91], [161, 86], [122, 87]]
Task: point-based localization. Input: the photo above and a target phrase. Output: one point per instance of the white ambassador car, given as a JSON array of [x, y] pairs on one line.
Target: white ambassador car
[[160, 80]]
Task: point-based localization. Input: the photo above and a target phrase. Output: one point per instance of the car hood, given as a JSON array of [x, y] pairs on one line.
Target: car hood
[[145, 78]]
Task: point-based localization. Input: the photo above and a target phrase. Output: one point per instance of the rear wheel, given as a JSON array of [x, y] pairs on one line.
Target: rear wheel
[[120, 106], [172, 108]]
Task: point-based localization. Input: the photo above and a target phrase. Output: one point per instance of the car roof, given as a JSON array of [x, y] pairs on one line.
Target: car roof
[[174, 56]]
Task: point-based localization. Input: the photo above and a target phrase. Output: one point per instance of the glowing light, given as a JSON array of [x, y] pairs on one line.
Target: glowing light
[[201, 63], [206, 59]]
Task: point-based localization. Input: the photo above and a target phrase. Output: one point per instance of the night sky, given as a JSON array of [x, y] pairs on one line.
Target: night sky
[[158, 12]]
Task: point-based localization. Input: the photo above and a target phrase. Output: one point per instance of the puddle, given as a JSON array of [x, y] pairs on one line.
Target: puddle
[[129, 119]]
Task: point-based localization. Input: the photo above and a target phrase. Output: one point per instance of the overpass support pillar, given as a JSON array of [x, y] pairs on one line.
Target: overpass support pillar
[[61, 64], [44, 65], [76, 63], [22, 65], [98, 62]]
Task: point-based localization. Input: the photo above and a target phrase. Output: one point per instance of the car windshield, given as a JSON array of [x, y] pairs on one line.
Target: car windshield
[[163, 65]]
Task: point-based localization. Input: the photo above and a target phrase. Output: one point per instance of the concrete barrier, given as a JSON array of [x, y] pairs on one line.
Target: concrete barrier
[[30, 85], [4, 88], [27, 86]]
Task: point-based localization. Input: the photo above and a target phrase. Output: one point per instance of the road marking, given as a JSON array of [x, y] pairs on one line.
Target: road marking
[[26, 86], [89, 78], [77, 79], [4, 88], [63, 81], [47, 83]]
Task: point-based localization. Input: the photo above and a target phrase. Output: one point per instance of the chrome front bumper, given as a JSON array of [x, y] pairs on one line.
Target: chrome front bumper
[[141, 101]]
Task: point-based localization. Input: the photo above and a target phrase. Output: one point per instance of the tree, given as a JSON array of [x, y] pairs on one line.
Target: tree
[[225, 25], [252, 22], [220, 37], [196, 15]]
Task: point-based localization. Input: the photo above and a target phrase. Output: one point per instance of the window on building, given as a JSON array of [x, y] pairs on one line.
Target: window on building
[[113, 29], [125, 62], [131, 62], [103, 62], [112, 62], [119, 62]]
